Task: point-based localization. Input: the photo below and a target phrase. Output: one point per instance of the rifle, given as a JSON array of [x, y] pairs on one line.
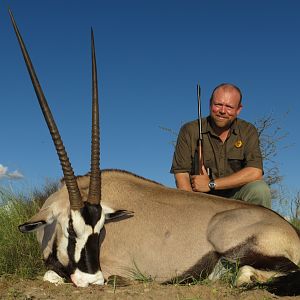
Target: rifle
[[200, 141]]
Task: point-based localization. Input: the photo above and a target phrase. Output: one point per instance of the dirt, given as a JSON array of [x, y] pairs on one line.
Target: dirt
[[11, 288]]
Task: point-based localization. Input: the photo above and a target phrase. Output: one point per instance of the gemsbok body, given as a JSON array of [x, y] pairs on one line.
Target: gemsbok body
[[112, 222]]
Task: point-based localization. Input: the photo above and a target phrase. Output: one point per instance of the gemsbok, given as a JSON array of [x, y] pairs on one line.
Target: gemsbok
[[162, 232]]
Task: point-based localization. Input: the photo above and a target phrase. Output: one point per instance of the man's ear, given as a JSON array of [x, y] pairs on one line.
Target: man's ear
[[239, 108]]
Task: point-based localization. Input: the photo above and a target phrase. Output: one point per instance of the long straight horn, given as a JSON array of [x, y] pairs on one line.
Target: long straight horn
[[95, 179], [74, 193]]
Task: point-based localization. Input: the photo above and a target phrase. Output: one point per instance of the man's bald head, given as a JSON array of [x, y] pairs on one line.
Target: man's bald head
[[227, 87]]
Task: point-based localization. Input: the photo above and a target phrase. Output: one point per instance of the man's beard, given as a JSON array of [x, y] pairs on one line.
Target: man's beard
[[222, 123]]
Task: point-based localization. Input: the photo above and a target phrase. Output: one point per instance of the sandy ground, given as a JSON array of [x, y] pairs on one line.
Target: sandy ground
[[11, 288]]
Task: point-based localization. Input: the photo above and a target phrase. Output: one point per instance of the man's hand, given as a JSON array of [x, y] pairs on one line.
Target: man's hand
[[199, 183]]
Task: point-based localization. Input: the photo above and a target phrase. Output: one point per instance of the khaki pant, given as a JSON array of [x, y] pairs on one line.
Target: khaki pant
[[256, 192]]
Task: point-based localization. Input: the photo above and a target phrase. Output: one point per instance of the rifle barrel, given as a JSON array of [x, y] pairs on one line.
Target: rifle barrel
[[199, 112]]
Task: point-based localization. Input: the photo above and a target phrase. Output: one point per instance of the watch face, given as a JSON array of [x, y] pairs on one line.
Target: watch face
[[212, 185]]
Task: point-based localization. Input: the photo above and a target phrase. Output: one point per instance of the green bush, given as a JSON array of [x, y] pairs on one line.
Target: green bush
[[296, 222], [20, 253]]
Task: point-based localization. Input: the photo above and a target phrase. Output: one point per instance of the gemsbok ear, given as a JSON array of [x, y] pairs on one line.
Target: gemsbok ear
[[118, 215], [52, 209], [30, 227]]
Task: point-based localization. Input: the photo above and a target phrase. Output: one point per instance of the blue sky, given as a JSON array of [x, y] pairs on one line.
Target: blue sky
[[150, 56]]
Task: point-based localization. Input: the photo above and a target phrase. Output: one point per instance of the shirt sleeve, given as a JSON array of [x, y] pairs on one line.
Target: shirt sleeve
[[182, 159], [253, 157]]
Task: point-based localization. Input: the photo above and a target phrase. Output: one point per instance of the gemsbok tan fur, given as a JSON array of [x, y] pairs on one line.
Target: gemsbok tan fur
[[112, 222]]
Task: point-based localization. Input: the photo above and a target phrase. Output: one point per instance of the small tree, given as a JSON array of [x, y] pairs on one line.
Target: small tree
[[270, 136], [295, 206]]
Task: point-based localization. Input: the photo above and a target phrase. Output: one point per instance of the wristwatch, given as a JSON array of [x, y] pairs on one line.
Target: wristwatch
[[212, 185]]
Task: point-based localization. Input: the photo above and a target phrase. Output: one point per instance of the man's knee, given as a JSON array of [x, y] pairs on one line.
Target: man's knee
[[257, 192]]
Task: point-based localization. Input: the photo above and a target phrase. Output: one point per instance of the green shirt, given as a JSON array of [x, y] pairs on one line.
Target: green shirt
[[241, 149]]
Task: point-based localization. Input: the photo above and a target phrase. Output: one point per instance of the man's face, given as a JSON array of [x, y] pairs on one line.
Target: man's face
[[225, 107]]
